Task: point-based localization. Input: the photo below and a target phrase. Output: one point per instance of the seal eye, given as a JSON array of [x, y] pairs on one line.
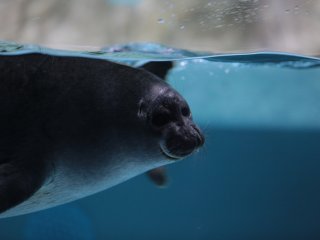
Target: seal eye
[[185, 111], [160, 119]]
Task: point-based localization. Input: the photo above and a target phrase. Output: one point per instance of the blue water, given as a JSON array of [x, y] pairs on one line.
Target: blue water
[[256, 178]]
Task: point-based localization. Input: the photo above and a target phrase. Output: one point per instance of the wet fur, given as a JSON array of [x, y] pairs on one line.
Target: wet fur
[[73, 126]]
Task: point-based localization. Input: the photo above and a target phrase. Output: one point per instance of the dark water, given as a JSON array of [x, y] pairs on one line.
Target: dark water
[[256, 178]]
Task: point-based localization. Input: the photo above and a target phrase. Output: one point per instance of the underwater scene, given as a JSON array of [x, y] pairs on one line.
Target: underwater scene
[[256, 177], [159, 119]]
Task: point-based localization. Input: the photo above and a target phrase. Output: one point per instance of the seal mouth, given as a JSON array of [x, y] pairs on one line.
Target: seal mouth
[[168, 155]]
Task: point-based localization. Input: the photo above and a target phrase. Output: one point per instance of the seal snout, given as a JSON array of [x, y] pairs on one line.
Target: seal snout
[[182, 141]]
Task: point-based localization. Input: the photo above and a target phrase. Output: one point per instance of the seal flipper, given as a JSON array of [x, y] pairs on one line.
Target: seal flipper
[[158, 176], [18, 182], [159, 69]]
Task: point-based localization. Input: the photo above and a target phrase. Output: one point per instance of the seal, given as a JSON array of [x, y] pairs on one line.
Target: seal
[[73, 126]]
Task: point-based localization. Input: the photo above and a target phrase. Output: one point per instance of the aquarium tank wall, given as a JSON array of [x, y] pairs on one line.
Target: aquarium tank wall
[[250, 71]]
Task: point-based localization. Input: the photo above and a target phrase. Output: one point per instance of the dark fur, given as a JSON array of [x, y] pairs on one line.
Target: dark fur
[[51, 104]]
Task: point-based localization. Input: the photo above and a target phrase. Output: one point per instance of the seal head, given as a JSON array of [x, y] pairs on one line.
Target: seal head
[[169, 115]]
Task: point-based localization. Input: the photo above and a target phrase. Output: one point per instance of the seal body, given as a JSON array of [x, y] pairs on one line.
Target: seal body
[[72, 126]]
